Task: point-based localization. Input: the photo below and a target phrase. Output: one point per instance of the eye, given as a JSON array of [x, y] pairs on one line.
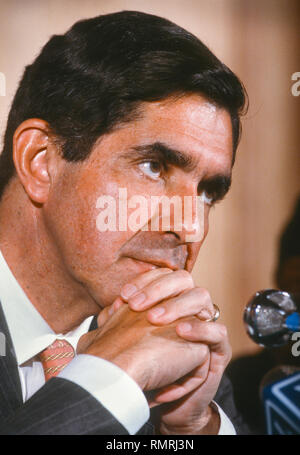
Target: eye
[[152, 169]]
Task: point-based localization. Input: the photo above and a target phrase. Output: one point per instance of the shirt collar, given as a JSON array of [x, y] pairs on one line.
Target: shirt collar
[[30, 333]]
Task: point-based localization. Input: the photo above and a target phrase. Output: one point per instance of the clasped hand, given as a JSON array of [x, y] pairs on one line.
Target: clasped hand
[[156, 332]]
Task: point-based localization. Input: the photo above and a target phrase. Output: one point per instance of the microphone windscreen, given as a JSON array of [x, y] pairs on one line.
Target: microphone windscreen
[[265, 317]]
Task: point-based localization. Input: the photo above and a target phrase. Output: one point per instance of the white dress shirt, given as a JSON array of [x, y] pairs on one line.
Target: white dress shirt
[[110, 385]]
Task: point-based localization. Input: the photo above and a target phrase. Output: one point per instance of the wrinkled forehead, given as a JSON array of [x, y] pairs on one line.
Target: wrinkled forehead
[[189, 124]]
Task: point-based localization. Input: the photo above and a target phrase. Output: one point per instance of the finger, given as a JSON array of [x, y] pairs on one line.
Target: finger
[[185, 385], [108, 311], [193, 403], [141, 281], [194, 302], [211, 333], [166, 286], [215, 336], [85, 340]]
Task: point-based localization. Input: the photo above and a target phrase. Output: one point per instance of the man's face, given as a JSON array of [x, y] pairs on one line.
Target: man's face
[[177, 147]]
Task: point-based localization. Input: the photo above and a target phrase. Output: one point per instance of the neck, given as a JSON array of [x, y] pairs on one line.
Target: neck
[[37, 265]]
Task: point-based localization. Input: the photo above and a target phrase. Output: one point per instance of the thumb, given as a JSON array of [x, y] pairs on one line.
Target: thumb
[[105, 314], [108, 311]]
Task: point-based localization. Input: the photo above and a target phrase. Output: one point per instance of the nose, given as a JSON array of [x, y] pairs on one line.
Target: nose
[[182, 212]]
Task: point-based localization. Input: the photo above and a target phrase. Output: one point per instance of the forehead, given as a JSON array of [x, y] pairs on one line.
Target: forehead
[[193, 112], [190, 124]]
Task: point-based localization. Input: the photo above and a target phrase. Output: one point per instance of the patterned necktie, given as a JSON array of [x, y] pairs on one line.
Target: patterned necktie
[[55, 357]]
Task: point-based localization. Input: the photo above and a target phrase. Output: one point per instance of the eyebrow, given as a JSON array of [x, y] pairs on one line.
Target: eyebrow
[[217, 185], [167, 155]]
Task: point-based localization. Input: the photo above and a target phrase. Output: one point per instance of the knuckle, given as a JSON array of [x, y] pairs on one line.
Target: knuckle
[[185, 275], [198, 291], [205, 294], [204, 302], [223, 330], [165, 270], [199, 350], [204, 350]]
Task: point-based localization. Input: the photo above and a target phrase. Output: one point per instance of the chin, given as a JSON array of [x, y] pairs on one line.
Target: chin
[[108, 289]]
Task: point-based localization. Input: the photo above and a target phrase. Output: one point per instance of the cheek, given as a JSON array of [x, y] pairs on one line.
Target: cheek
[[194, 247], [72, 219]]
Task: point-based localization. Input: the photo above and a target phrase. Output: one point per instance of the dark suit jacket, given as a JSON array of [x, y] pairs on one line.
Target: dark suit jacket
[[63, 407]]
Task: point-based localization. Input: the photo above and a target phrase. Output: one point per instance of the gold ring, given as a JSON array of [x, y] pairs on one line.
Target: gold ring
[[216, 315]]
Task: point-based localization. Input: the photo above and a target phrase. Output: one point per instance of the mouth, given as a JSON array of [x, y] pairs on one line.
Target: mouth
[[142, 266], [157, 251], [153, 263]]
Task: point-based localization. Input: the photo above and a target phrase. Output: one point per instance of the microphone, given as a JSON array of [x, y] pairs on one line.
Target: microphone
[[280, 393], [271, 316]]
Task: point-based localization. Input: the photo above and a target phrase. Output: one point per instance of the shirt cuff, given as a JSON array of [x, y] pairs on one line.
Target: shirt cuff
[[226, 427], [112, 387]]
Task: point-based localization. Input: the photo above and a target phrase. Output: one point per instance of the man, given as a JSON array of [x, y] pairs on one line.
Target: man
[[122, 101]]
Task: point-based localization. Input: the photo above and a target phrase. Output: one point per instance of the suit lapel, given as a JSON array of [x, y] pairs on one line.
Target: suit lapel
[[10, 386]]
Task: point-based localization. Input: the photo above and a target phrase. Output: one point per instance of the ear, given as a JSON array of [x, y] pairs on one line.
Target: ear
[[30, 155]]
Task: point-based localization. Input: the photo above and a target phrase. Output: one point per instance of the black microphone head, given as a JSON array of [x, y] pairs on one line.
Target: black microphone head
[[265, 316]]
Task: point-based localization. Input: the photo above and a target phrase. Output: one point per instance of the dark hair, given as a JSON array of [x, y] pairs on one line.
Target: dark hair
[[94, 77]]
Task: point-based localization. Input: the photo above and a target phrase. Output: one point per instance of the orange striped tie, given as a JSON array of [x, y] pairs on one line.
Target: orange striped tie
[[56, 357]]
